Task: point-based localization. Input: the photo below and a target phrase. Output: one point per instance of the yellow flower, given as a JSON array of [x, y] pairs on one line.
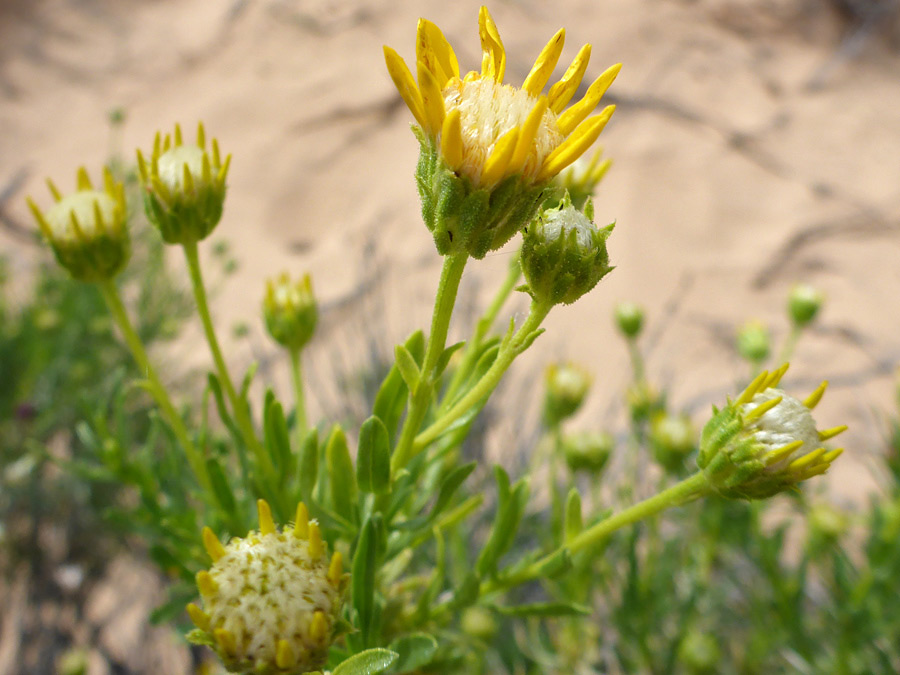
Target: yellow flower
[[487, 132], [88, 228], [270, 600], [765, 441]]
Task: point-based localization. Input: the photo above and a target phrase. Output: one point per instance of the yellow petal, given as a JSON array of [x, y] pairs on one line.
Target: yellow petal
[[807, 460], [752, 389], [316, 547], [57, 195], [301, 522], [545, 63], [201, 136], [495, 165], [405, 84], [84, 181], [763, 408], [318, 627], [526, 136], [785, 451], [432, 99], [226, 640], [433, 49], [39, 217], [832, 455], [493, 60], [212, 544], [198, 616], [206, 583], [284, 655], [776, 376], [266, 524], [451, 140], [561, 92], [813, 399], [336, 568], [825, 434], [575, 115], [576, 144]]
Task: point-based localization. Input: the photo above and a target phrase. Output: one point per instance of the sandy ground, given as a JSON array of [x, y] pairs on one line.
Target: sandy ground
[[756, 144]]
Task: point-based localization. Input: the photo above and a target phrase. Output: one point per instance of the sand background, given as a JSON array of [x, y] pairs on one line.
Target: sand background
[[756, 144]]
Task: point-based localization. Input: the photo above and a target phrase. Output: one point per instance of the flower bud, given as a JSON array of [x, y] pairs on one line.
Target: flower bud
[[765, 441], [588, 451], [699, 653], [184, 187], [87, 229], [629, 318], [672, 439], [566, 386], [290, 311], [644, 401], [753, 341], [270, 601], [804, 303], [479, 622], [564, 254], [580, 179]]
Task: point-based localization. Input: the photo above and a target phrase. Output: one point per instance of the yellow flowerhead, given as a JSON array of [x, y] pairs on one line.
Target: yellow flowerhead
[[765, 441], [270, 600], [184, 186], [503, 141], [88, 228]]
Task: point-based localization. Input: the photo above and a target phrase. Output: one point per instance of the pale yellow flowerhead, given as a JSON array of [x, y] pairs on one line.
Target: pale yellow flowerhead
[[487, 130], [270, 600]]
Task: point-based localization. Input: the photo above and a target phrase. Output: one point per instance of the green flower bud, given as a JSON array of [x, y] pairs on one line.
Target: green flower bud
[[588, 451], [580, 179], [290, 311], [804, 303], [87, 229], [699, 653], [644, 401], [753, 341], [629, 318], [479, 622], [765, 441], [184, 187], [564, 254], [270, 601], [566, 387], [672, 439]]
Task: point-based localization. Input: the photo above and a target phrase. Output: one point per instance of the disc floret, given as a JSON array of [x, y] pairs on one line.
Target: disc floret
[[765, 441], [87, 229], [270, 600], [489, 149]]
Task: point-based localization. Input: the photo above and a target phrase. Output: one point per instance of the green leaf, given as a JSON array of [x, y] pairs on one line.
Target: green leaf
[[276, 436], [510, 507], [309, 465], [341, 476], [221, 488], [545, 609], [445, 357], [415, 651], [468, 591], [248, 379], [409, 370], [573, 522], [373, 459], [369, 662], [362, 589], [390, 401]]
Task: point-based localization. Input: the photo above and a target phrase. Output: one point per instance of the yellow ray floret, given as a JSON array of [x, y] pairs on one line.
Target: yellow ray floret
[[433, 49], [212, 544], [545, 63], [561, 92], [576, 144], [572, 117], [526, 136], [226, 640], [405, 84], [316, 547], [451, 140], [763, 408], [493, 60], [198, 616], [301, 521], [266, 523], [206, 583], [813, 399], [826, 434], [808, 460], [498, 161], [775, 456], [318, 628], [284, 655], [336, 569], [432, 99]]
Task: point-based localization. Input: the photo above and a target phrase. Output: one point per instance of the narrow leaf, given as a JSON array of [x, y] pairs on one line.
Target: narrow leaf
[[373, 460]]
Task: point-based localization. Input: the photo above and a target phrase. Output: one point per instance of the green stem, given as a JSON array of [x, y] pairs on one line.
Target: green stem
[[158, 391], [241, 414], [419, 400], [300, 409], [637, 360], [790, 343], [510, 348], [472, 349], [690, 488]]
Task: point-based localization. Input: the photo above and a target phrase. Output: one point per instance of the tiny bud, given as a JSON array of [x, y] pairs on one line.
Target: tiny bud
[[289, 310], [753, 342], [804, 303], [588, 451], [479, 622], [699, 653], [566, 386], [629, 318], [672, 439], [644, 401]]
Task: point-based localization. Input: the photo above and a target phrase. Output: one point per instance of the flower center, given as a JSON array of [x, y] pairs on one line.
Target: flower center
[[787, 422], [487, 110], [81, 204], [171, 165], [559, 223]]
